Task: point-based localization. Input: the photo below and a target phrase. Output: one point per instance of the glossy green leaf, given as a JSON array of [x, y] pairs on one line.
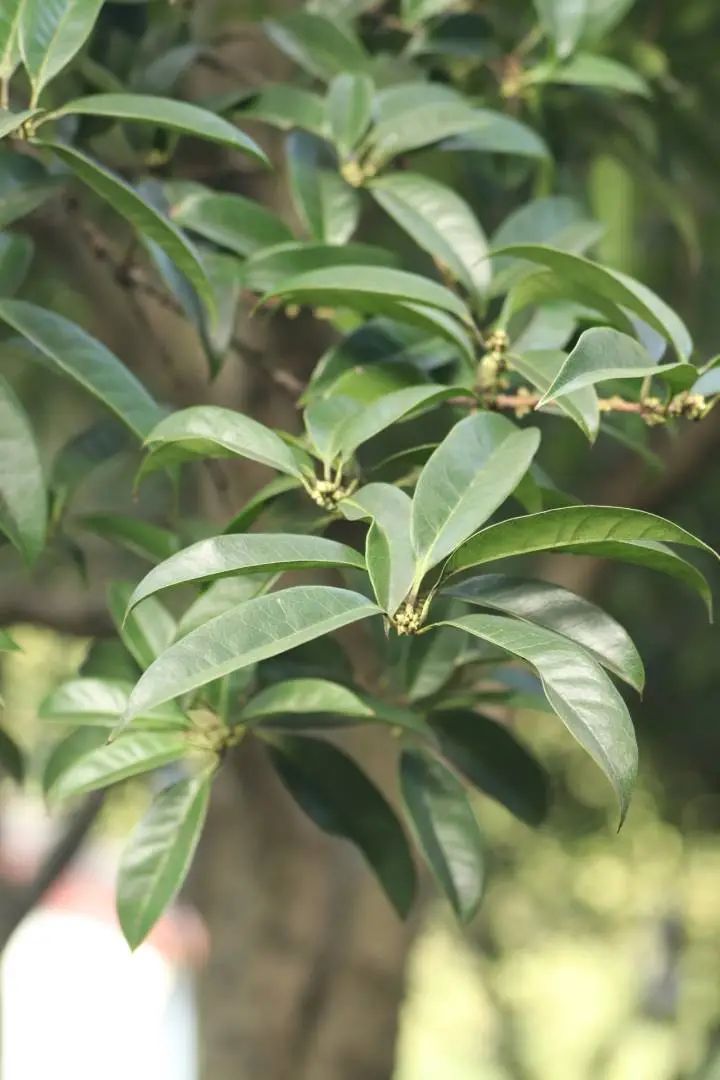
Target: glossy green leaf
[[287, 107], [220, 596], [494, 761], [241, 225], [389, 409], [305, 696], [562, 611], [445, 829], [101, 703], [132, 753], [209, 431], [540, 367], [158, 855], [68, 751], [440, 222], [249, 553], [578, 690], [9, 38], [12, 761], [23, 502], [573, 529], [75, 353], [388, 553], [139, 213], [147, 630], [167, 113], [349, 109], [328, 207], [469, 476], [340, 799], [51, 32], [612, 285], [323, 47], [602, 354], [253, 631], [141, 537]]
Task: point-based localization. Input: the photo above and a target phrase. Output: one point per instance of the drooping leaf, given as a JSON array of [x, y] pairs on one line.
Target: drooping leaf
[[23, 502], [209, 431], [349, 109], [389, 409], [541, 367], [253, 631], [75, 353], [139, 213], [328, 207], [388, 553], [146, 631], [445, 829], [470, 475], [564, 612], [167, 113], [51, 32], [612, 285], [249, 553], [341, 801], [578, 690], [305, 696], [241, 225], [494, 761], [158, 855], [440, 222], [323, 47], [132, 753]]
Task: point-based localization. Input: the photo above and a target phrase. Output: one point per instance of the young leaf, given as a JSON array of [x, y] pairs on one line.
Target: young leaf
[[163, 112], [305, 696], [349, 109], [562, 611], [578, 690], [251, 553], [328, 207], [253, 631], [388, 553], [132, 753], [147, 631], [23, 502], [340, 799], [209, 431], [323, 47], [601, 354], [445, 829], [139, 213], [157, 858], [622, 533], [469, 476], [85, 360], [491, 758], [241, 225], [51, 32], [612, 285], [440, 222]]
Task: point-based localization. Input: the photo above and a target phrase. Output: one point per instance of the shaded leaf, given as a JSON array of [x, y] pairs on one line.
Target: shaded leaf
[[141, 537], [328, 207], [305, 696], [12, 761], [23, 502], [323, 47], [147, 631]]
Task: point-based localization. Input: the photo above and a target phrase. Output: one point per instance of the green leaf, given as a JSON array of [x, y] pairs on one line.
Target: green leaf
[[578, 530], [305, 696], [368, 288], [611, 285], [231, 221], [147, 631], [563, 21], [476, 467], [260, 501], [65, 753], [349, 110], [321, 46], [12, 761], [540, 367], [440, 222], [220, 596], [445, 829], [85, 360], [562, 611], [340, 799], [209, 431], [51, 32], [249, 553], [141, 537], [326, 205], [389, 555], [139, 213], [101, 703], [267, 269], [587, 69], [10, 122], [166, 113], [16, 256], [287, 107], [23, 502], [578, 690], [491, 758], [602, 354], [384, 412], [158, 855], [9, 38], [7, 644], [24, 185], [132, 753], [253, 631]]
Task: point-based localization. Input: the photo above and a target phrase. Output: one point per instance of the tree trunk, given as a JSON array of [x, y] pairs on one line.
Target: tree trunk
[[306, 967]]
